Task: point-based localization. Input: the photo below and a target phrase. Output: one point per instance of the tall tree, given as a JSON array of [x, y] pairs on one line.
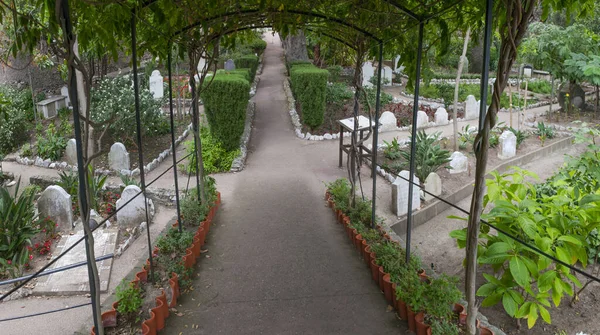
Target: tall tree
[[461, 63]]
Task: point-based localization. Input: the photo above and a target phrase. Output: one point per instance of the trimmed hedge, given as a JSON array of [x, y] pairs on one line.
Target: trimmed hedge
[[225, 101], [243, 73], [247, 62], [309, 85], [258, 46], [290, 65]]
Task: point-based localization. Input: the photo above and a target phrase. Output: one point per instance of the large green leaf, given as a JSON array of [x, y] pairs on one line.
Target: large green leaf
[[519, 271], [510, 305]]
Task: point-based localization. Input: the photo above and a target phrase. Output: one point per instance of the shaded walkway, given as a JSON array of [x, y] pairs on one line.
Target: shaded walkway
[[278, 263]]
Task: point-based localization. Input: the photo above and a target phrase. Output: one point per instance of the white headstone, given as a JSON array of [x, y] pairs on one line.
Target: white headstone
[[458, 162], [201, 65], [400, 194], [133, 213], [386, 73], [422, 119], [441, 116], [507, 145], [387, 121], [118, 157], [433, 185], [368, 71], [55, 203], [229, 65], [71, 152], [471, 108], [157, 87], [64, 91]]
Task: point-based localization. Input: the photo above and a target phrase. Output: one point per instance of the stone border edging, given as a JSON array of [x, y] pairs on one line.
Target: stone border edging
[[239, 162], [432, 210], [48, 164]]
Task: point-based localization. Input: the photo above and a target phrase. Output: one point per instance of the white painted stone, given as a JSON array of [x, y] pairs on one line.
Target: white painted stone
[[400, 194], [387, 121], [458, 162], [71, 152], [64, 91], [422, 119], [118, 157], [307, 136], [55, 203], [471, 108], [157, 87], [327, 136], [507, 147], [134, 212], [441, 116], [229, 65], [433, 184], [52, 165], [368, 71]]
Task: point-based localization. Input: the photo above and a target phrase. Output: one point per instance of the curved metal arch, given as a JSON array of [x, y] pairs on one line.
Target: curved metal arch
[[272, 11]]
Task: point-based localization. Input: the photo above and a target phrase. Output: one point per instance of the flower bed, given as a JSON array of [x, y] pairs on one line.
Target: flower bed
[[173, 246], [429, 305]]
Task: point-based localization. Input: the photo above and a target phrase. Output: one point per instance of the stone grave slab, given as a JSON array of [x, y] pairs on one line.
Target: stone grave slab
[[75, 281]]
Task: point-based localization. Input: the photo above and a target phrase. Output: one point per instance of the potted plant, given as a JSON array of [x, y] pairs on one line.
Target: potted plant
[[441, 294]]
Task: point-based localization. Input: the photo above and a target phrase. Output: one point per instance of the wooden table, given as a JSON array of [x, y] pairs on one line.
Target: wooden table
[[348, 126]]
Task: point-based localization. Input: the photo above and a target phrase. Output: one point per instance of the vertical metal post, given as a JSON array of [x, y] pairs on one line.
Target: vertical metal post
[[485, 72], [138, 122], [413, 142], [81, 170], [375, 137], [173, 148], [196, 127]]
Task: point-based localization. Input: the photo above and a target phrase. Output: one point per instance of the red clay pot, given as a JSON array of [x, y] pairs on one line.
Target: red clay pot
[[461, 312], [363, 247], [109, 319], [188, 259], [196, 246], [218, 199], [422, 327], [381, 273], [353, 235], [423, 276], [339, 216], [372, 256], [174, 286], [161, 310], [485, 331], [402, 310], [141, 276], [366, 253], [411, 319], [150, 324], [359, 240], [201, 235], [374, 271], [394, 297], [387, 288]]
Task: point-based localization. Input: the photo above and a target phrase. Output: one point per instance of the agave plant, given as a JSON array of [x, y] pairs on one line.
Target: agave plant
[[429, 157]]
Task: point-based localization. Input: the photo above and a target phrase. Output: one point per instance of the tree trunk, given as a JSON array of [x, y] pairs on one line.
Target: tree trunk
[[196, 126], [518, 14], [476, 59], [461, 63], [295, 46]]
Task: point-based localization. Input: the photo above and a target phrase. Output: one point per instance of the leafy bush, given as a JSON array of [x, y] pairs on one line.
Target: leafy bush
[[258, 46], [371, 93], [13, 126], [243, 73], [214, 156], [51, 145], [430, 157], [543, 132], [466, 137], [393, 149], [538, 86], [17, 227], [225, 100], [521, 135], [300, 63], [309, 85], [335, 71], [20, 100], [130, 299], [337, 95], [247, 62], [69, 181], [174, 242], [113, 99]]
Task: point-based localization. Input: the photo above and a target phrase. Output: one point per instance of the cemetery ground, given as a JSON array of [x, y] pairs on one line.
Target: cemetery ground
[[276, 260]]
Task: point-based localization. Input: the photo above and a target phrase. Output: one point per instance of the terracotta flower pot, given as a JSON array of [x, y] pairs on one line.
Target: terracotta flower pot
[[206, 225], [366, 253], [363, 248], [485, 331], [218, 199], [161, 311], [411, 319], [422, 327], [381, 273], [109, 319], [330, 203], [402, 310], [359, 240], [394, 297], [372, 256], [460, 311], [188, 259], [141, 276], [387, 288], [375, 271], [174, 286], [354, 234], [423, 276], [339, 215], [150, 324], [201, 235]]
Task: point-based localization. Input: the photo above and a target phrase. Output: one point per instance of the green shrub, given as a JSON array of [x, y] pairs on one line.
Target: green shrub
[[371, 92], [538, 86], [247, 62], [294, 63], [258, 46], [130, 299], [243, 73], [13, 125], [113, 99], [215, 157], [51, 145], [20, 100], [309, 85], [225, 101], [429, 156], [335, 71]]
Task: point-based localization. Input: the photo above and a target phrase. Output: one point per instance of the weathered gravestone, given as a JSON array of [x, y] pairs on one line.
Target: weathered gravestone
[[471, 108], [458, 162], [229, 65], [433, 185], [64, 91], [441, 116], [157, 87], [133, 213], [422, 119], [118, 157], [387, 121], [55, 203], [507, 147], [400, 194], [71, 152], [368, 71]]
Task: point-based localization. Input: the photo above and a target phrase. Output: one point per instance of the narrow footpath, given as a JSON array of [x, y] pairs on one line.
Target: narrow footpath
[[277, 263]]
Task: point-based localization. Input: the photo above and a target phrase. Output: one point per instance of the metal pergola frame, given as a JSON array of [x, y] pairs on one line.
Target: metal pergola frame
[[421, 20]]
